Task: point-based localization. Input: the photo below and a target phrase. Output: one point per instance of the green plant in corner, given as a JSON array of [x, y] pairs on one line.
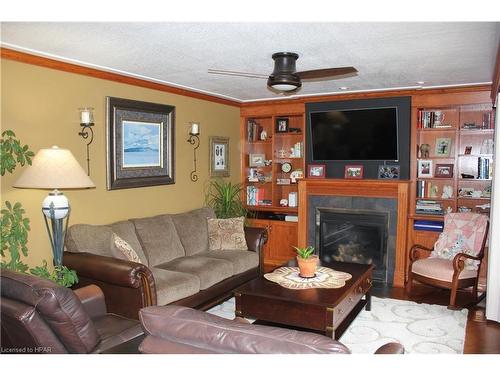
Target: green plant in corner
[[225, 199], [304, 252], [15, 226], [61, 275]]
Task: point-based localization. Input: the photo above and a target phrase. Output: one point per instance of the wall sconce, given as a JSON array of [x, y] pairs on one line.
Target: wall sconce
[[194, 140], [86, 122]]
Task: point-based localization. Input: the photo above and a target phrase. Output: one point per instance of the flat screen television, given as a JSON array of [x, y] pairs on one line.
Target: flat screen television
[[355, 134], [370, 132]]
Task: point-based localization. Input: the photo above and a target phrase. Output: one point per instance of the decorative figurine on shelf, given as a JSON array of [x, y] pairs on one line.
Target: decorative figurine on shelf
[[284, 202], [424, 150], [263, 135], [295, 175], [282, 154], [449, 210], [447, 192], [434, 191]]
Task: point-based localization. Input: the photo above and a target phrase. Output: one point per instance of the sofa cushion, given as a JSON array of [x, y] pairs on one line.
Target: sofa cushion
[[192, 229], [159, 239], [242, 260], [210, 271], [95, 239], [172, 286], [122, 249], [227, 234], [126, 230]]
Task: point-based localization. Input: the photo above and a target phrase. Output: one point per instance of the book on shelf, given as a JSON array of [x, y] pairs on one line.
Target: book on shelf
[[256, 197], [428, 225], [484, 168], [428, 207], [253, 131]]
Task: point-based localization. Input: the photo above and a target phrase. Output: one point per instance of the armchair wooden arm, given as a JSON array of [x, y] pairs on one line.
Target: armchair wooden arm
[[414, 251]]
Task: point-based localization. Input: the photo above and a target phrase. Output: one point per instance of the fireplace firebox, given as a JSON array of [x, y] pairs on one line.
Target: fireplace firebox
[[356, 236]]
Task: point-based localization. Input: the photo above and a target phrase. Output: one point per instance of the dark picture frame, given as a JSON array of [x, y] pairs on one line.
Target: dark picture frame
[[388, 172], [444, 171], [140, 143], [353, 171], [281, 125], [219, 157], [316, 170]]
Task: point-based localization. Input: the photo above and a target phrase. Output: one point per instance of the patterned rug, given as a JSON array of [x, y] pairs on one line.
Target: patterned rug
[[421, 328]]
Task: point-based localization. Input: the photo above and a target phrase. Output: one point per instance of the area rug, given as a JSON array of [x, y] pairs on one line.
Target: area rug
[[420, 327]]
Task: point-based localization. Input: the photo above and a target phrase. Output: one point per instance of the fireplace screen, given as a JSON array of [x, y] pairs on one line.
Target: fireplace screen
[[352, 235]]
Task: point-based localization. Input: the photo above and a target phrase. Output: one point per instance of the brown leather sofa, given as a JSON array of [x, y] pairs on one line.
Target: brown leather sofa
[[177, 267], [39, 316], [182, 330]]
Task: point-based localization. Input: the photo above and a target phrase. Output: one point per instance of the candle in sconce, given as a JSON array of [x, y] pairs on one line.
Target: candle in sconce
[[86, 116], [195, 129]]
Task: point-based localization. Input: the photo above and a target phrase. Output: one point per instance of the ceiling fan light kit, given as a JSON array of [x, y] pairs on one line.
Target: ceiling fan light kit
[[283, 77]]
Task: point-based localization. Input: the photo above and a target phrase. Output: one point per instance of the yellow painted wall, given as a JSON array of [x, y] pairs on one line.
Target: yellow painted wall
[[41, 106]]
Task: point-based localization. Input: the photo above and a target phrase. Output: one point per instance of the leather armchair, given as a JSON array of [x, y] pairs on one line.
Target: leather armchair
[[39, 316], [182, 330]]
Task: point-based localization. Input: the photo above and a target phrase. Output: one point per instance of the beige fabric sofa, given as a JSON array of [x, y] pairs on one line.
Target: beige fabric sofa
[[177, 265]]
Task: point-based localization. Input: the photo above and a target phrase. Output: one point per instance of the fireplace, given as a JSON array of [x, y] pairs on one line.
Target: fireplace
[[354, 235]]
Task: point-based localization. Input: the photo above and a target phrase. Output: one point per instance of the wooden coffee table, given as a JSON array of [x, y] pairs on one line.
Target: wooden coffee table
[[326, 311]]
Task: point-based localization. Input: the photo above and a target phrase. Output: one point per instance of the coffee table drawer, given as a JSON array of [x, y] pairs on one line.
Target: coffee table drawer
[[283, 312], [347, 304]]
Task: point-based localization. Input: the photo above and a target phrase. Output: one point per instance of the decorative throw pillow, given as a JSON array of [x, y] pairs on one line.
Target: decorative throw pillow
[[227, 234], [123, 250]]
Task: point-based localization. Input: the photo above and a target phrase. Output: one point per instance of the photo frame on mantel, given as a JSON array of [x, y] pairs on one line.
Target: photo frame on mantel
[[140, 143]]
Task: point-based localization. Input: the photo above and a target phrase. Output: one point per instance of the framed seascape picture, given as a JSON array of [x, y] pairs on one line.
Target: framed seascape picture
[[219, 157], [256, 160], [140, 143]]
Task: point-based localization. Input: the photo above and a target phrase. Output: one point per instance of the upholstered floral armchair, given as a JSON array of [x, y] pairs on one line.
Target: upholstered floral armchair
[[455, 260]]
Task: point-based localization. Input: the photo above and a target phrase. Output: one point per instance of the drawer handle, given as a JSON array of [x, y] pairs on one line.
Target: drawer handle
[[351, 299], [360, 289], [340, 311], [369, 282]]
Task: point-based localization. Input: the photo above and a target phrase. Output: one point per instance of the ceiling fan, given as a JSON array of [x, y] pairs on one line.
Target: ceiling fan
[[285, 76]]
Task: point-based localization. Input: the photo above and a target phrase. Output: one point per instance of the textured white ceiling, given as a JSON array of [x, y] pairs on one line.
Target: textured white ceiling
[[387, 55]]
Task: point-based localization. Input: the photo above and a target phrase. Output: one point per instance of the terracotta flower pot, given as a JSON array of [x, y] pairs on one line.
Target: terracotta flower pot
[[307, 267]]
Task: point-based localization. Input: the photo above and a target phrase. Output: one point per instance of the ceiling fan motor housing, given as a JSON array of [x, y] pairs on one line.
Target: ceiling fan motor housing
[[284, 71]]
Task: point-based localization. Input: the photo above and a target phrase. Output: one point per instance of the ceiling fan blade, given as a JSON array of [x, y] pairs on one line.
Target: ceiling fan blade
[[324, 73], [239, 74]]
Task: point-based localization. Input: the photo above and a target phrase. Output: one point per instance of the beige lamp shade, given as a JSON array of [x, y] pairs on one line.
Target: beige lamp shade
[[54, 168]]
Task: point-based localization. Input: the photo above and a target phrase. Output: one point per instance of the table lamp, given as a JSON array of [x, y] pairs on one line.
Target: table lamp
[[55, 168]]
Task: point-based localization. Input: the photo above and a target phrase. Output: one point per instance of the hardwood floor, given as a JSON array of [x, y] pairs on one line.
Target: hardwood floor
[[481, 337]]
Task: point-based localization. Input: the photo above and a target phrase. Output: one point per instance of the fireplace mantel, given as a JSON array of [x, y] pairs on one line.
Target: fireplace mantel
[[361, 188]]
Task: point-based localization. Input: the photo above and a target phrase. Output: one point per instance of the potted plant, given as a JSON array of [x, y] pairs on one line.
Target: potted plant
[[225, 198], [307, 261]]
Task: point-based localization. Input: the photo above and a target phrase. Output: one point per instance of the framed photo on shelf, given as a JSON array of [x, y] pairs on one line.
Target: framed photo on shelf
[[468, 150], [444, 171], [256, 160], [219, 157], [281, 125], [443, 146], [316, 170], [353, 171], [388, 172], [424, 168], [140, 138]]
